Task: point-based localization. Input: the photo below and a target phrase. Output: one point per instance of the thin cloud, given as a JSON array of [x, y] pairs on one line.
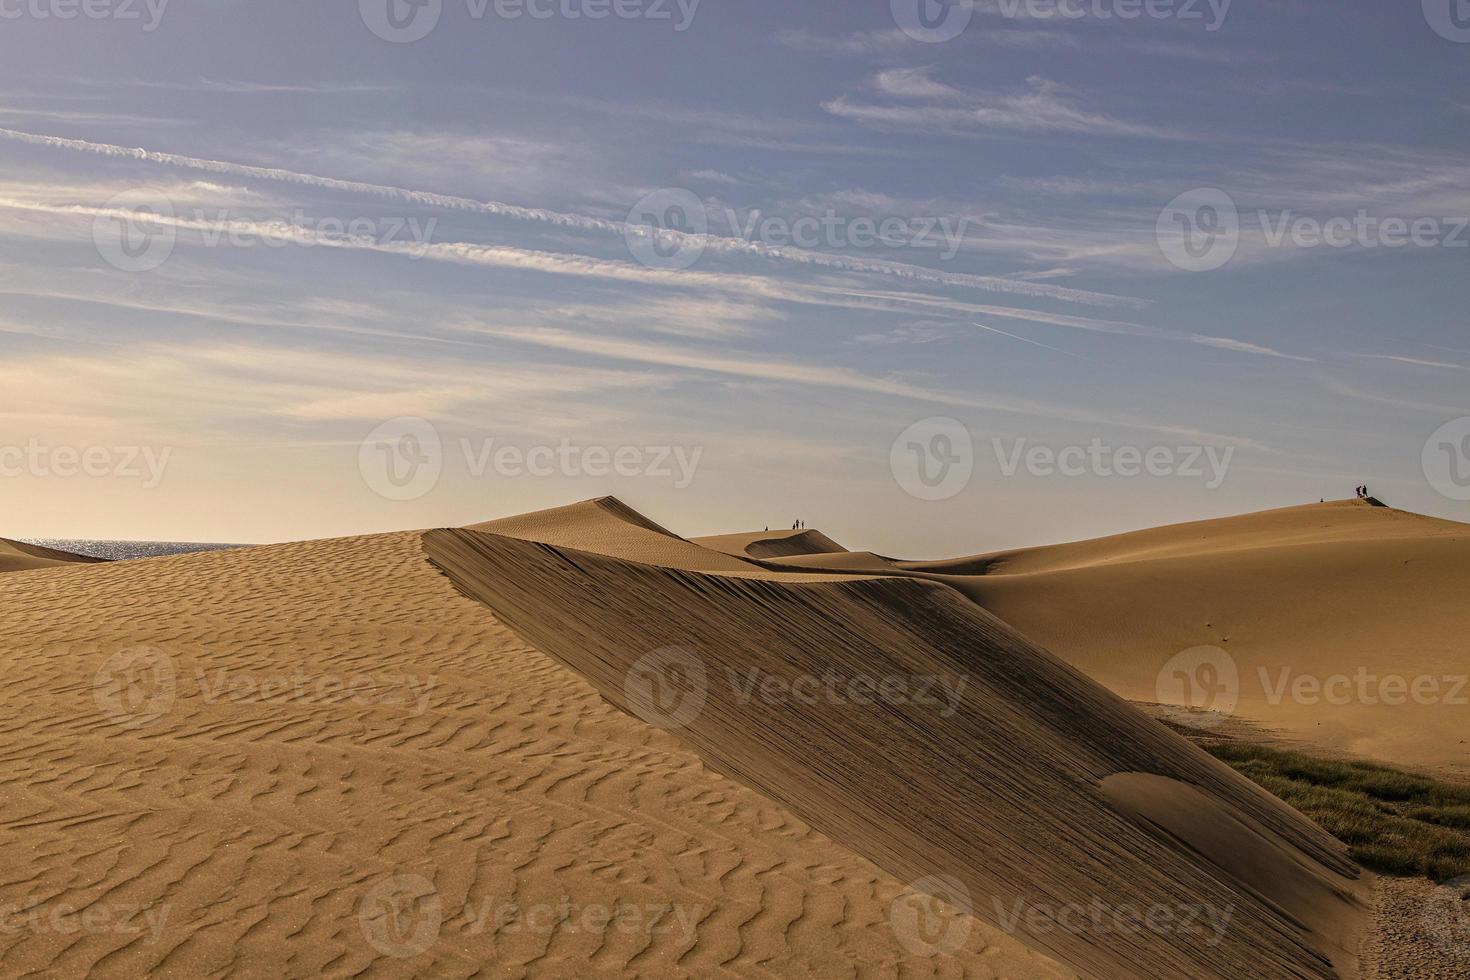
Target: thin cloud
[[581, 222], [826, 376], [915, 101]]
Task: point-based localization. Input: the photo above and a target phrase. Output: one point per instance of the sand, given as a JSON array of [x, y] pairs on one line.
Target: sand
[[1344, 623], [329, 731], [441, 754], [1015, 788], [18, 557]]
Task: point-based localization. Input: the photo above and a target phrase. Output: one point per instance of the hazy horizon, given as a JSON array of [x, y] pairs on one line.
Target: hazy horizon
[[394, 267]]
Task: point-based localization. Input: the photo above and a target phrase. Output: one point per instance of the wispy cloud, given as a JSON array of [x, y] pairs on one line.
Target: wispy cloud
[[915, 101], [824, 376], [581, 222], [1416, 361]]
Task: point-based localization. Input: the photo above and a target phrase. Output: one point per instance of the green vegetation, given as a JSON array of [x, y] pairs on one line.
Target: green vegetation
[[1393, 822]]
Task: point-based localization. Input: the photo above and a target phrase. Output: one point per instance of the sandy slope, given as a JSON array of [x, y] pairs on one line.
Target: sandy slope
[[1036, 789], [1328, 614], [329, 727], [18, 557], [771, 544], [1351, 595]]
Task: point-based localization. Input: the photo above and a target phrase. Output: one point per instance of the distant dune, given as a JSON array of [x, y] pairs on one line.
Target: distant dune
[[18, 557], [771, 544], [1325, 611]]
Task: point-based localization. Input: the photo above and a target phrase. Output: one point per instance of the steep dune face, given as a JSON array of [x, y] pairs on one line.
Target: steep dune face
[[901, 720], [319, 759], [18, 557], [1343, 624]]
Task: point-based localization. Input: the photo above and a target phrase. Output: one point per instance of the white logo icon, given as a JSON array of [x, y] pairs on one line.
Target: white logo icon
[[401, 21], [665, 230], [921, 922], [1447, 459], [402, 459], [401, 916], [1449, 18], [933, 459], [1199, 230], [1202, 683], [135, 237], [136, 687], [667, 688], [1446, 916], [933, 21]]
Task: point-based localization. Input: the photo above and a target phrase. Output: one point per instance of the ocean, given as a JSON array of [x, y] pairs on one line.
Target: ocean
[[121, 550]]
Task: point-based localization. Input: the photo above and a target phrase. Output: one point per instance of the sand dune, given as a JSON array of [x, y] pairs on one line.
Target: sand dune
[[1033, 788], [771, 544], [243, 763], [1329, 615], [18, 557], [444, 754], [1325, 612]]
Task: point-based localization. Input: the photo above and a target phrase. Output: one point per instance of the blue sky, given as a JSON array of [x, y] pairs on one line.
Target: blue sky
[[360, 230]]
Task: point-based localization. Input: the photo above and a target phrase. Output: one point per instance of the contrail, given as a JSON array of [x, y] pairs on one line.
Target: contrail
[[1024, 340], [716, 243]]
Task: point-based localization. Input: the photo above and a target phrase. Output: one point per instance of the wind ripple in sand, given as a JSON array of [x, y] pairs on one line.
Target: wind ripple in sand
[[193, 823]]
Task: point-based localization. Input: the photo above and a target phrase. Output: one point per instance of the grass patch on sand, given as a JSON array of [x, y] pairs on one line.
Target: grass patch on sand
[[1393, 822]]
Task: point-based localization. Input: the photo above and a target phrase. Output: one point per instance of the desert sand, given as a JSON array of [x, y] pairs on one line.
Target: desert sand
[[463, 753], [242, 762], [1345, 622]]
